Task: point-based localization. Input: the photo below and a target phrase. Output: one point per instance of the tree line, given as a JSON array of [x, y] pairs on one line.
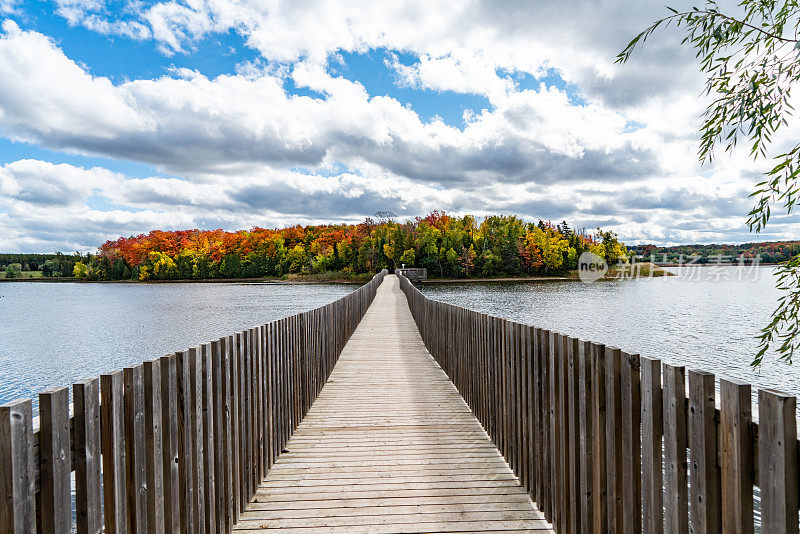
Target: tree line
[[767, 252], [50, 265], [448, 246]]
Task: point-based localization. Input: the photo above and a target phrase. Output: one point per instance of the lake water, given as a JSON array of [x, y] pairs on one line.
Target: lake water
[[705, 318], [53, 334]]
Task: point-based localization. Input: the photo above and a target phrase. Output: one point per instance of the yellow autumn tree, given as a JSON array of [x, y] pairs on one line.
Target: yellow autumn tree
[[551, 244]]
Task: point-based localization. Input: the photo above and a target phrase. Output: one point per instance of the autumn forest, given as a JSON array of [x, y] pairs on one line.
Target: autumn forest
[[449, 247]]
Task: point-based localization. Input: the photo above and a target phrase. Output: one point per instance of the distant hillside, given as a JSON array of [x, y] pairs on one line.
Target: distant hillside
[[770, 252]]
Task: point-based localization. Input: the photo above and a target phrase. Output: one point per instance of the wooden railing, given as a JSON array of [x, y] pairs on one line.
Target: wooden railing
[[175, 444], [583, 425]]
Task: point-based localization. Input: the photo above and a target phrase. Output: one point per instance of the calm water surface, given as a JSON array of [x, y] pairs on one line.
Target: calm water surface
[[706, 318], [53, 334]]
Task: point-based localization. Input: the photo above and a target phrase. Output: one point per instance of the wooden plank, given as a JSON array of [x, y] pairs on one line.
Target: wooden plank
[[704, 492], [630, 388], [736, 456], [233, 352], [538, 421], [777, 461], [599, 467], [523, 408], [209, 460], [676, 511], [154, 447], [548, 504], [258, 415], [244, 420], [564, 497], [573, 433], [652, 452], [135, 466], [554, 430], [272, 364], [238, 414], [263, 403], [112, 428], [17, 483], [87, 458], [297, 401], [530, 409], [585, 430], [197, 445], [389, 444], [219, 407], [614, 438], [170, 443], [252, 343], [55, 514], [185, 457], [505, 380], [514, 369]]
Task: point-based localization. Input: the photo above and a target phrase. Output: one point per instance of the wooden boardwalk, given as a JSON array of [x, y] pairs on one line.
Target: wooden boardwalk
[[390, 446]]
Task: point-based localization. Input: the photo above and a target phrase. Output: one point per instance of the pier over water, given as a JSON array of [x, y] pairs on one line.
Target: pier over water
[[388, 412]]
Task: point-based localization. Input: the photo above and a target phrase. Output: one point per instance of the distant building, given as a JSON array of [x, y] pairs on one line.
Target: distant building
[[414, 274]]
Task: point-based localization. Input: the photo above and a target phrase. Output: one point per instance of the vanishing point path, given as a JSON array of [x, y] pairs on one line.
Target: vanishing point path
[[390, 446]]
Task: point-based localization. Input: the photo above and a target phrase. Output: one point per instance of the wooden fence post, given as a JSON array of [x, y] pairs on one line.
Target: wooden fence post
[[736, 457], [154, 447], [187, 468], [586, 434], [115, 509], [614, 439], [219, 407], [599, 491], [207, 416], [538, 417], [17, 489], [704, 493], [171, 444], [631, 423], [553, 428], [55, 460], [573, 432], [676, 492], [652, 452], [235, 418], [136, 474], [777, 461], [86, 443]]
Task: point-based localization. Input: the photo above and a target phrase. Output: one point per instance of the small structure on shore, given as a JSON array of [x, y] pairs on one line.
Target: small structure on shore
[[414, 274]]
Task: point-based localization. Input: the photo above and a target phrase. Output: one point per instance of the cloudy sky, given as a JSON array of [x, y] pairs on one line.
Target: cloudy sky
[[118, 117]]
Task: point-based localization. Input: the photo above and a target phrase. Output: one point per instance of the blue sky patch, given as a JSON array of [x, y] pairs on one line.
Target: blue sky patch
[[370, 69], [121, 58], [552, 79], [15, 150], [102, 203], [337, 169]]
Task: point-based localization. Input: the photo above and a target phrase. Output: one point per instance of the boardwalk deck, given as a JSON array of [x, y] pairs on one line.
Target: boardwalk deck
[[390, 446]]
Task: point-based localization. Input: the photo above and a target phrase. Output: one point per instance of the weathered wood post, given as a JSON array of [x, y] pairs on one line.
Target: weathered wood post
[[17, 489]]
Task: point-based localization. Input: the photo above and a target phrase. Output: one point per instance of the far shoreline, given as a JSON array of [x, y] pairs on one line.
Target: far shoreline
[[299, 279]]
